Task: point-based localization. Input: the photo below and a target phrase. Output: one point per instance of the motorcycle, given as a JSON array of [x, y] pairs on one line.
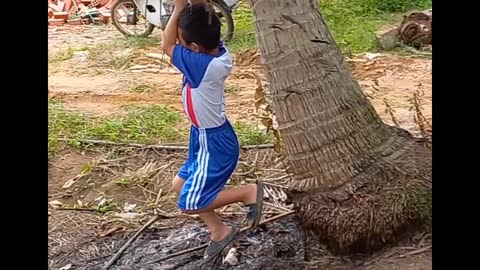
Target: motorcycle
[[138, 18]]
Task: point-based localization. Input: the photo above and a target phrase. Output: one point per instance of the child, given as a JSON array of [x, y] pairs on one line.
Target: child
[[213, 147]]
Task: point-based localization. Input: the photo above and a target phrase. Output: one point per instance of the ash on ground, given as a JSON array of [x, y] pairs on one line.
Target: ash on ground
[[277, 245]]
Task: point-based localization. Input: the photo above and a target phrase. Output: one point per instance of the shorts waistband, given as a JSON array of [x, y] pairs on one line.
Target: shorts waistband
[[222, 127]]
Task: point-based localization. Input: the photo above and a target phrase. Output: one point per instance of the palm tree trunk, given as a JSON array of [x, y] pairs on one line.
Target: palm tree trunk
[[359, 183]]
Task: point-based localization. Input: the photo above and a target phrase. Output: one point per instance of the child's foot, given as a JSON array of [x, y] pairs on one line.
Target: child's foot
[[216, 247], [220, 234], [254, 213]]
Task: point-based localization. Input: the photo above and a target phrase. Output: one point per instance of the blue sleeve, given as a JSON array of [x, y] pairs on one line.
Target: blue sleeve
[[193, 65]]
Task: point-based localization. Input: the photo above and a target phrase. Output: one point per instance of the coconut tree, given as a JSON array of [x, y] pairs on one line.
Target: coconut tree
[[358, 182]]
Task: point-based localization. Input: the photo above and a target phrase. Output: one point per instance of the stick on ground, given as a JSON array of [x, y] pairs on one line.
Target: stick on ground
[[129, 242], [161, 147]]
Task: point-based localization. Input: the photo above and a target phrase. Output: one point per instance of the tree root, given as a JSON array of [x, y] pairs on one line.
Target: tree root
[[391, 198]]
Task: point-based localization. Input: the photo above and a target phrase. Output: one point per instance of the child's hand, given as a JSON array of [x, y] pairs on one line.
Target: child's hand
[[170, 33], [181, 4], [193, 2]]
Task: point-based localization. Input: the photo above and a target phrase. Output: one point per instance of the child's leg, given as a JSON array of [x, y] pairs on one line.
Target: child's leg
[[177, 184], [218, 230], [213, 156], [216, 227], [246, 195]]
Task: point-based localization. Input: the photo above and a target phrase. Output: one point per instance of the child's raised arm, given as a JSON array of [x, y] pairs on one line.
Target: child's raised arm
[[170, 34]]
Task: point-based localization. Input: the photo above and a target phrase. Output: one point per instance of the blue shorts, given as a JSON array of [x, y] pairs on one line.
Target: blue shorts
[[212, 158]]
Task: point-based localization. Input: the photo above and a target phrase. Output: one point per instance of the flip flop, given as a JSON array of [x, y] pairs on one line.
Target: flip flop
[[255, 209], [215, 248]]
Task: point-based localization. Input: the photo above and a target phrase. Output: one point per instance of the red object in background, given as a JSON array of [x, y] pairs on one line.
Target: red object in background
[[60, 15], [56, 22], [75, 22]]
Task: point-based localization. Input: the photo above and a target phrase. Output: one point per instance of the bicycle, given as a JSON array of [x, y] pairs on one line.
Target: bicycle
[[126, 15]]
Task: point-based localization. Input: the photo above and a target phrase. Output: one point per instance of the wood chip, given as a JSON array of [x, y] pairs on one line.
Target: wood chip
[[156, 55]]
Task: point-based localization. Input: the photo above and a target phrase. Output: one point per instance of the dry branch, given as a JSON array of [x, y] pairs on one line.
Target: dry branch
[[158, 146], [129, 242], [415, 252], [80, 209]]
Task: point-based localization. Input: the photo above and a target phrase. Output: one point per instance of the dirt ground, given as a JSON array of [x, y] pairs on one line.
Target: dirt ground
[[386, 78], [94, 84]]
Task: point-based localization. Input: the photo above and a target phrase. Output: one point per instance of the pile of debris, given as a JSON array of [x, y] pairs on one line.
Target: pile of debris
[[78, 12], [415, 30]]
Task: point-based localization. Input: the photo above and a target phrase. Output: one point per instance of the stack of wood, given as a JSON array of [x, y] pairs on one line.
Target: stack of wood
[[415, 30], [78, 12]]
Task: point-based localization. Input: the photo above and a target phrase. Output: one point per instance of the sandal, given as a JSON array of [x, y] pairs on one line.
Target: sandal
[[215, 248], [255, 209]]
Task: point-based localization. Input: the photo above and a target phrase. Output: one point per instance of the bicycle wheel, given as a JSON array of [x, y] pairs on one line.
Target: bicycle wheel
[[129, 21], [225, 15]]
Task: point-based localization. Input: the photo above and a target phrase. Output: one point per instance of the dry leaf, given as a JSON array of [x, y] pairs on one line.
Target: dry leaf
[[111, 231], [267, 122], [70, 182], [371, 56], [155, 55], [102, 202], [259, 96], [55, 204], [84, 171], [129, 215], [66, 267], [137, 67], [274, 122]]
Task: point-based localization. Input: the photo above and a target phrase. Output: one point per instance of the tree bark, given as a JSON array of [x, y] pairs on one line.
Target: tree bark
[[358, 183]]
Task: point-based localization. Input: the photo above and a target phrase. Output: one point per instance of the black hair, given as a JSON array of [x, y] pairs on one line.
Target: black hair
[[200, 24]]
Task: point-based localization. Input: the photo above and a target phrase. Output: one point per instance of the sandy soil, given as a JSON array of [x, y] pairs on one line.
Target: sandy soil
[[390, 79]]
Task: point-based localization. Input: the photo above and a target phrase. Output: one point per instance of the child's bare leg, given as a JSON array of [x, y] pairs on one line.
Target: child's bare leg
[[216, 227], [218, 230], [246, 195], [177, 184]]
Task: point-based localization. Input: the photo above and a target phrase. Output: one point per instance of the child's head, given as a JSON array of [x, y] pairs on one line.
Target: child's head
[[199, 30]]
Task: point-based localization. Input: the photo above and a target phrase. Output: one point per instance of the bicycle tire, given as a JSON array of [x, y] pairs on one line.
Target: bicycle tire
[[228, 12], [117, 25]]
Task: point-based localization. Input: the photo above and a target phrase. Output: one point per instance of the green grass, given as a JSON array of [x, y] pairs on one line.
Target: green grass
[[66, 54], [352, 26], [352, 22], [140, 125], [395, 5], [145, 125], [124, 182], [244, 35], [118, 54], [136, 86], [231, 88], [141, 88], [250, 135], [141, 42]]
